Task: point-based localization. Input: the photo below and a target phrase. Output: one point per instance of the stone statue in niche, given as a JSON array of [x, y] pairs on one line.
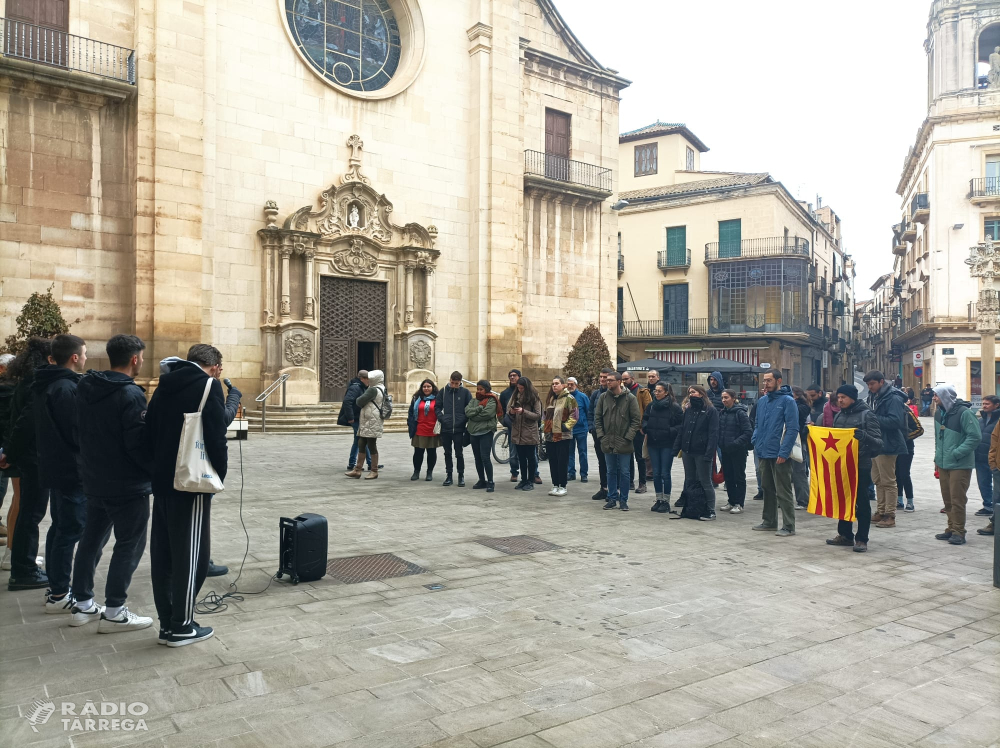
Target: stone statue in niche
[[993, 77], [354, 217]]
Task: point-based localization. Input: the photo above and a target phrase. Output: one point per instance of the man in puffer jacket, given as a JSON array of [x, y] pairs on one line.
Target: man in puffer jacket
[[580, 430], [773, 438], [956, 436], [889, 405], [450, 408]]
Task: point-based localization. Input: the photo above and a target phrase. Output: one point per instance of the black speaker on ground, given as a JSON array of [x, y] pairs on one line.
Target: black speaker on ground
[[302, 547]]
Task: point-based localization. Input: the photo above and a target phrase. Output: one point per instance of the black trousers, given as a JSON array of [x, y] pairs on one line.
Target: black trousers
[[862, 509], [602, 465], [34, 503], [637, 459], [734, 467], [481, 445], [559, 461], [128, 516], [448, 439], [179, 548], [904, 483], [527, 458], [418, 458]]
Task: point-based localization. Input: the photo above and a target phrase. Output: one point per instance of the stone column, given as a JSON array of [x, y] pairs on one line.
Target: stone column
[[286, 294], [310, 306], [409, 292], [428, 295], [987, 324]]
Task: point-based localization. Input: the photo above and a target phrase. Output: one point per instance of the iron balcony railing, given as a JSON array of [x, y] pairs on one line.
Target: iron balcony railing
[[822, 286], [26, 41], [774, 246], [760, 323], [920, 202], [561, 169], [662, 328], [984, 187], [667, 258], [621, 264]]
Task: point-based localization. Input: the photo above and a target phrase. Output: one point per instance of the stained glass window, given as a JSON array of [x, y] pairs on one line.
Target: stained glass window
[[354, 43]]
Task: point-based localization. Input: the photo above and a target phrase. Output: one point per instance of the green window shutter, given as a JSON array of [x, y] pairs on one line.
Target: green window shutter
[[730, 236], [677, 246]]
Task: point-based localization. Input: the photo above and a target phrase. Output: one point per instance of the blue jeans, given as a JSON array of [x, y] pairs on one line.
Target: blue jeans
[[68, 510], [984, 476], [352, 460], [619, 468], [662, 459], [579, 444]]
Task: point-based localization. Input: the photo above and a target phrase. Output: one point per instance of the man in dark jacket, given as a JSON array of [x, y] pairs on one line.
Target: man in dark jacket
[[617, 420], [580, 431], [855, 414], [988, 417], [21, 458], [889, 405], [774, 436], [735, 437], [602, 463], [180, 541], [716, 384], [58, 450], [114, 468], [512, 376], [817, 401], [350, 415], [926, 398], [449, 406], [6, 393]]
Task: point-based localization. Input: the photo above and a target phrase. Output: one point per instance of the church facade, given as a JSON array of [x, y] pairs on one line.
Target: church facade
[[314, 186]]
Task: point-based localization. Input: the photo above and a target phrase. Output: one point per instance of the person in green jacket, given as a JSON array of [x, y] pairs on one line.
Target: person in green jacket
[[956, 436], [616, 420], [482, 413]]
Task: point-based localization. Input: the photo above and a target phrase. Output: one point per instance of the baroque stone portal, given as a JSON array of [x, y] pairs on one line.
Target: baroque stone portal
[[350, 236]]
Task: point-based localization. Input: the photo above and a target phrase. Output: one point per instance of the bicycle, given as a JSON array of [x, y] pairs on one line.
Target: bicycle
[[501, 447]]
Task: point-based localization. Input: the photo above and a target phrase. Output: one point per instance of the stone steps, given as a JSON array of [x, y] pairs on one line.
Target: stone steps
[[314, 419]]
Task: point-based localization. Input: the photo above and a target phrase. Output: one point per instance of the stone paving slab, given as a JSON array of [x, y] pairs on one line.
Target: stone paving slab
[[639, 631]]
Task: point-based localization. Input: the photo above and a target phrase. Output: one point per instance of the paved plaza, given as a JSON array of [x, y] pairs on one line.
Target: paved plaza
[[636, 631]]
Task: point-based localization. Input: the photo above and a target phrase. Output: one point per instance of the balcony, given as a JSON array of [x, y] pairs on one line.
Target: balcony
[[621, 265], [559, 174], [909, 231], [667, 259], [821, 287], [59, 50], [662, 328], [760, 324], [984, 190], [920, 208], [812, 273], [749, 249]]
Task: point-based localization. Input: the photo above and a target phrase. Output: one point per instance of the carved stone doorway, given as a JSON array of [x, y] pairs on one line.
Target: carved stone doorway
[[352, 322]]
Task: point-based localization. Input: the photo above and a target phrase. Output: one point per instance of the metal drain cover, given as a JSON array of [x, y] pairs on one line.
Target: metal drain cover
[[371, 568], [517, 545]]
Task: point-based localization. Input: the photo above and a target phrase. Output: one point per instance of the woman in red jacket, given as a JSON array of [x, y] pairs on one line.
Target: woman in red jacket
[[421, 421]]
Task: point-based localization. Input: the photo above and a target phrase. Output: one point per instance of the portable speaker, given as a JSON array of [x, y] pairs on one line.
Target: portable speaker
[[302, 547]]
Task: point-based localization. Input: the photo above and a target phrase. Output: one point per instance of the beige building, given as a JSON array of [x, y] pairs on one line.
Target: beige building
[[314, 186], [726, 265], [950, 198]]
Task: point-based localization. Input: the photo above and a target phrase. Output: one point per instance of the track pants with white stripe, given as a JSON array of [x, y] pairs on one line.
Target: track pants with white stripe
[[178, 555]]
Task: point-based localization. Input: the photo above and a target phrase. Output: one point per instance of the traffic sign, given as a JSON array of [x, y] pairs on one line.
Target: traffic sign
[[918, 358], [918, 371]]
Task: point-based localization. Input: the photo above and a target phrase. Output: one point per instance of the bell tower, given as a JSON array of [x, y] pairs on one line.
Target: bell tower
[[961, 36]]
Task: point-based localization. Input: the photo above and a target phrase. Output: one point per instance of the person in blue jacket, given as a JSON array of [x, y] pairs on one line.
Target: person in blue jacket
[[579, 443], [773, 438]]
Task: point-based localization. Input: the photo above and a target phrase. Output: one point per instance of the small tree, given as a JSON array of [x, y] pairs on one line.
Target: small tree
[[40, 316], [587, 357]]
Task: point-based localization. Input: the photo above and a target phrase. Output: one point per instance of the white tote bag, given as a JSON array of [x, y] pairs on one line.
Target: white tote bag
[[194, 472]]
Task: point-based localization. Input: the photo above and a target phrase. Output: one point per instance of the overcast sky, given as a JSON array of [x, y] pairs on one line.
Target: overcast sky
[[825, 96]]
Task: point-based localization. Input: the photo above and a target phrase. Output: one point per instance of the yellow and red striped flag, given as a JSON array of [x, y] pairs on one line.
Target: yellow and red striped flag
[[833, 481]]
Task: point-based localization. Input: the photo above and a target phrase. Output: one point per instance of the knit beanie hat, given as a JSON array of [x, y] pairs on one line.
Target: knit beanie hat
[[848, 390]]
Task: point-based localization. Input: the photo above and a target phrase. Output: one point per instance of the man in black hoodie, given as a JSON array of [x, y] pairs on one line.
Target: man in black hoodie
[[179, 544], [114, 467], [58, 450], [602, 464], [512, 376], [449, 406]]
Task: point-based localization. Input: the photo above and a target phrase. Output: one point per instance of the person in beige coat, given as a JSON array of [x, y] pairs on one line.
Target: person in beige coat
[[370, 428]]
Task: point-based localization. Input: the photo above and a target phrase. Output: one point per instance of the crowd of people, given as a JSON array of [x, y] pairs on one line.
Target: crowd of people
[[86, 447], [638, 431]]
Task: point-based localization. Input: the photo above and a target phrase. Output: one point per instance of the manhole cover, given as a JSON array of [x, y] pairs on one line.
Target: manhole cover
[[371, 568], [517, 545]]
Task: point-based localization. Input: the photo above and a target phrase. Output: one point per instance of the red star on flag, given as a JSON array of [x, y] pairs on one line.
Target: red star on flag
[[831, 442]]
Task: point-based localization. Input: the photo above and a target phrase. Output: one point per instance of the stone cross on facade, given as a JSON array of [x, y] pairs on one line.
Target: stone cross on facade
[[354, 162], [984, 263]]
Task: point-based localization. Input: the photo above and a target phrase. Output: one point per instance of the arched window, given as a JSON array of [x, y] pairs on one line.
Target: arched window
[[353, 43], [989, 40]]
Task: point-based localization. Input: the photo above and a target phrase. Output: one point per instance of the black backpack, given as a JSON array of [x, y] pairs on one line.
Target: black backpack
[[693, 502]]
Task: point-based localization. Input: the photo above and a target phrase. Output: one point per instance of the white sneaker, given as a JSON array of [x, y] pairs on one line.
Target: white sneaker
[[40, 562], [83, 617], [5, 564], [126, 620], [562, 491], [726, 508], [736, 510], [62, 604], [554, 491]]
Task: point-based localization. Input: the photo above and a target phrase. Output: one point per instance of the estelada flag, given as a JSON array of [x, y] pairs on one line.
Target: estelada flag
[[833, 482]]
